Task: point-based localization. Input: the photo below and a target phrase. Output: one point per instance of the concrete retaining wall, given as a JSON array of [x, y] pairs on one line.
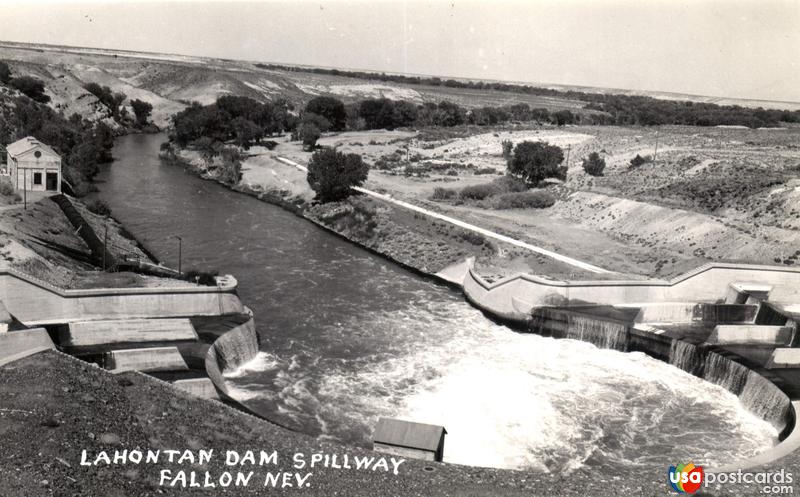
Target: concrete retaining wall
[[33, 301], [15, 345], [145, 360], [85, 333], [513, 297]]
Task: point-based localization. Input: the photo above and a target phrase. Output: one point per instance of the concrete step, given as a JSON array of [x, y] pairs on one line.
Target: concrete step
[[145, 360], [746, 292], [199, 387], [741, 334], [784, 358], [15, 345], [91, 333]]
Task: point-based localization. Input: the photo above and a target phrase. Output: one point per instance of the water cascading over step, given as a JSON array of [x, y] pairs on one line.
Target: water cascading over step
[[236, 347], [725, 372], [764, 399], [687, 357], [604, 334], [607, 332]]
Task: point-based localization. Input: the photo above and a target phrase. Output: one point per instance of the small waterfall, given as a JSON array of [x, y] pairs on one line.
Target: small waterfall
[[686, 356], [726, 373], [236, 347], [764, 399], [602, 333]]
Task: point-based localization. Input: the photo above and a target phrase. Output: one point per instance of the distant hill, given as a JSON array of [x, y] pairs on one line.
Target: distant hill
[[170, 82]]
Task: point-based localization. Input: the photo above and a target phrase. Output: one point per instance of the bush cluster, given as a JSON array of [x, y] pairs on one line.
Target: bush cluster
[[99, 207], [533, 199]]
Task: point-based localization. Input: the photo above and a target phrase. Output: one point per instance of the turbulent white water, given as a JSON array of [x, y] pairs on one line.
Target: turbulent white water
[[514, 400]]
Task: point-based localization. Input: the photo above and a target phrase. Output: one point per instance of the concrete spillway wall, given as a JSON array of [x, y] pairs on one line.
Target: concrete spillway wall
[[34, 301], [228, 352], [552, 308], [515, 296], [757, 389]]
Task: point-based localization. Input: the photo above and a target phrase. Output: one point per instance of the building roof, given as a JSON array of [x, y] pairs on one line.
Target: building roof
[[408, 434], [26, 144]]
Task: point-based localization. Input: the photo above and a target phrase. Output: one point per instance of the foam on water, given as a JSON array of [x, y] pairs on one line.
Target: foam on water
[[507, 399]]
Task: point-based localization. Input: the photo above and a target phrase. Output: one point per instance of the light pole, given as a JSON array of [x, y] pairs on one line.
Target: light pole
[[180, 249], [105, 246], [655, 152]]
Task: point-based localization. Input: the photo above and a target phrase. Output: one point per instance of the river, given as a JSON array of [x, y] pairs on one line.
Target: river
[[348, 337]]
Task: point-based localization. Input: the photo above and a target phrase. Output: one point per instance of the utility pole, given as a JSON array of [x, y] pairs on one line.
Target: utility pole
[[105, 247], [180, 255], [655, 153], [24, 190]]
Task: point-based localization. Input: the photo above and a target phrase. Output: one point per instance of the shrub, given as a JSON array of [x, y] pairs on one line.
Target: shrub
[[479, 192], [332, 174], [594, 164], [440, 193], [231, 167], [6, 188], [5, 73], [309, 134], [207, 278], [485, 170], [107, 97], [533, 199], [508, 147], [639, 160], [30, 87], [99, 207], [508, 183], [535, 161], [142, 111]]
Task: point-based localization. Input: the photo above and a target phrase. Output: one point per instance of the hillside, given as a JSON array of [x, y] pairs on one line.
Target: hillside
[[170, 83]]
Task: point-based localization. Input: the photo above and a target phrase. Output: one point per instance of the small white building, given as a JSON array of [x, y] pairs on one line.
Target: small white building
[[33, 166]]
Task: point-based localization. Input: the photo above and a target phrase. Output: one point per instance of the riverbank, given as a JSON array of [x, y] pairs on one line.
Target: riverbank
[[415, 241]]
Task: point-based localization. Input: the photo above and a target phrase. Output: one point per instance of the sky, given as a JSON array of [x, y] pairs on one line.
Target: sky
[[726, 48]]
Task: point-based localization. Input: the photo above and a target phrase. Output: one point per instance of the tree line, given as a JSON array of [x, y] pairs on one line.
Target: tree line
[[617, 108], [246, 122]]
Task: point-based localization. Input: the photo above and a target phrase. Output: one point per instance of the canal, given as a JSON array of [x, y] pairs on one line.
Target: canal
[[348, 337]]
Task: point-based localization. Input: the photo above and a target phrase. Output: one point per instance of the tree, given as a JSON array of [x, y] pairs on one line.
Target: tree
[[31, 87], [535, 161], [142, 111], [107, 97], [308, 133], [332, 174], [247, 132], [563, 117], [5, 73], [594, 164], [508, 147], [331, 109]]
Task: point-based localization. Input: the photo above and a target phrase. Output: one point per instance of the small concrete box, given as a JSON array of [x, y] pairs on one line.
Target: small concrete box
[[409, 439], [743, 292]]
